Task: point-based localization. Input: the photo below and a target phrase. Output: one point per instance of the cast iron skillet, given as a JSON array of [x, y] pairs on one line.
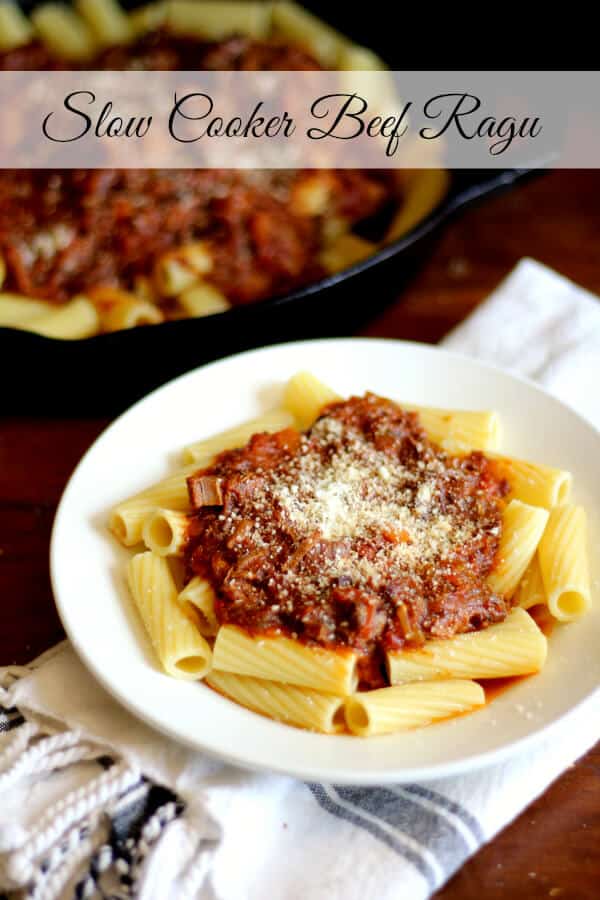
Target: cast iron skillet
[[104, 374]]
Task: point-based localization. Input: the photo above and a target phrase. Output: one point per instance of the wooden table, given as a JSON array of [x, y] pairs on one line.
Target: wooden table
[[552, 850]]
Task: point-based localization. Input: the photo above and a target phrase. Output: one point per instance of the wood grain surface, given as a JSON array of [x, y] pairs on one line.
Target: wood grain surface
[[553, 849]]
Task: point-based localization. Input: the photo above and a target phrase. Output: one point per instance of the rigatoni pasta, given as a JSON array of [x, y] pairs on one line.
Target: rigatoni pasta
[[536, 484], [63, 31], [165, 532], [203, 300], [406, 706], [15, 28], [200, 594], [181, 649], [215, 20], [424, 189], [285, 703], [16, 310], [358, 576], [522, 529], [305, 396], [127, 519], [202, 452], [107, 20], [513, 647], [460, 430], [178, 270], [345, 251], [129, 313], [564, 563], [148, 17], [283, 659], [531, 590], [77, 319]]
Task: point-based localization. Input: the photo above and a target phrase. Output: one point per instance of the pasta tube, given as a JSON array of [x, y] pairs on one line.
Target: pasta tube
[[332, 227], [513, 647], [354, 58], [200, 594], [15, 27], [107, 20], [63, 31], [564, 563], [284, 703], [536, 484], [522, 528], [214, 21], [345, 251], [180, 269], [127, 519], [144, 289], [75, 320], [305, 396], [286, 660], [203, 300], [312, 195], [148, 18], [181, 649], [16, 311], [423, 192], [165, 532], [459, 430], [531, 590], [203, 452], [406, 706], [129, 313]]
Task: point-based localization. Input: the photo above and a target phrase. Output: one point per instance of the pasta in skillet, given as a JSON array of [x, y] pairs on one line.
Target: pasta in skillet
[[212, 239]]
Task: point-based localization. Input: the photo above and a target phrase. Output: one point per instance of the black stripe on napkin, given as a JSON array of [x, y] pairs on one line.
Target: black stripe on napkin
[[451, 805], [419, 861], [426, 827]]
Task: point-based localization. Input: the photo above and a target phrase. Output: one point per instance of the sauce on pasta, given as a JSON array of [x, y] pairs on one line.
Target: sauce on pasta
[[65, 232], [359, 533]]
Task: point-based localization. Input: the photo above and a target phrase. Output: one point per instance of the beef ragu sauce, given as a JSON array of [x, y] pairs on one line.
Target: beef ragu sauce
[[64, 232], [360, 533]]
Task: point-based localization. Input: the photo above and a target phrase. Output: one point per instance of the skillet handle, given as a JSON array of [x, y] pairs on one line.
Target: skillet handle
[[469, 186]]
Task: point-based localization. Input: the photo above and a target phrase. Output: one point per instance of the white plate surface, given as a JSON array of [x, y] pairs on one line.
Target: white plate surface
[[142, 445]]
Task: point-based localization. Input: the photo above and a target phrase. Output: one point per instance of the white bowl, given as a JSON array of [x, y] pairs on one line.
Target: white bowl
[[138, 448]]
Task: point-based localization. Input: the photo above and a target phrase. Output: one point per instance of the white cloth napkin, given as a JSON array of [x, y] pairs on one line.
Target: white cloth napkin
[[91, 800]]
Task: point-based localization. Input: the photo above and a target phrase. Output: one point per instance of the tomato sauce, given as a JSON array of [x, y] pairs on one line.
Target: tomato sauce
[[360, 533]]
